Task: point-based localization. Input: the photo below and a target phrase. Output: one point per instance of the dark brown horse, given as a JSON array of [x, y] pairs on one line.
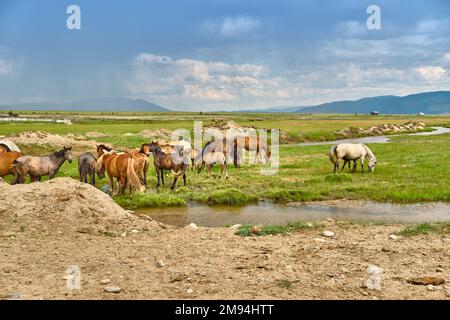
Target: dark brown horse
[[164, 161], [86, 166], [121, 167], [6, 161]]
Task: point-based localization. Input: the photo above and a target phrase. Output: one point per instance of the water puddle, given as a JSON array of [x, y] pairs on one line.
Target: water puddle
[[269, 213], [375, 139]]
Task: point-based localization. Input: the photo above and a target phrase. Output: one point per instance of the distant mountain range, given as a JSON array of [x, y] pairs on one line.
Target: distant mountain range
[[428, 103], [98, 104]]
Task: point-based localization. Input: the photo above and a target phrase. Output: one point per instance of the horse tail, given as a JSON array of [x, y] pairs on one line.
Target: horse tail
[[180, 173], [333, 154], [83, 169], [132, 177]]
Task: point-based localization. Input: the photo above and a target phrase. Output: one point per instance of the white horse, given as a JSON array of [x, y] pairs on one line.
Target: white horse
[[352, 152]]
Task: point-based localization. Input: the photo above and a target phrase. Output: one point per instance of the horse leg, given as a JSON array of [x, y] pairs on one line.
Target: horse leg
[[92, 178], [174, 183], [111, 185], [158, 174], [355, 163], [362, 165], [184, 179], [343, 167], [123, 184], [162, 177]]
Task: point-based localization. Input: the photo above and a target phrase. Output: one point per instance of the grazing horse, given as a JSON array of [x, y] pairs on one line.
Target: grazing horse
[[37, 167], [121, 167], [164, 161], [6, 161], [86, 166], [224, 147], [352, 152], [211, 156], [259, 146]]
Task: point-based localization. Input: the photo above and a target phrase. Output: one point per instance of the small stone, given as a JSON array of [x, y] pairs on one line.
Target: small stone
[[430, 287], [236, 226], [134, 231], [112, 289], [189, 291], [439, 269], [426, 281], [256, 229], [159, 264], [319, 240], [447, 291], [393, 237], [328, 234], [105, 281], [193, 226], [123, 235], [309, 225]]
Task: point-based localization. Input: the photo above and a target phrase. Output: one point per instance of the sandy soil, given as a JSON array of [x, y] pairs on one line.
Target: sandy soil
[[47, 227]]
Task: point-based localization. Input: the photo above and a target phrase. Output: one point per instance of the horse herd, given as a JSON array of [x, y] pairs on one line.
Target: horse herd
[[130, 168]]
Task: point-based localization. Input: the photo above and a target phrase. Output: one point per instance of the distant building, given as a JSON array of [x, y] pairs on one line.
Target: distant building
[[374, 113]]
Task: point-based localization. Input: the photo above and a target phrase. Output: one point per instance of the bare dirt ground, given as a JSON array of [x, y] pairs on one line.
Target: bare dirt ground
[[47, 227]]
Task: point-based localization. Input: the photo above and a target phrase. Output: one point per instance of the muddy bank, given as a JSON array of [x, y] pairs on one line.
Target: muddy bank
[[45, 228]]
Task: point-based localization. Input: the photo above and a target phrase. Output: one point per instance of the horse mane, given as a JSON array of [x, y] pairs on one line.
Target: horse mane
[[8, 149], [99, 163], [370, 154], [105, 147]]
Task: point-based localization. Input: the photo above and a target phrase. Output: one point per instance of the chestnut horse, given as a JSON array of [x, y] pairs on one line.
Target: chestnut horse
[[141, 156], [121, 167], [6, 161]]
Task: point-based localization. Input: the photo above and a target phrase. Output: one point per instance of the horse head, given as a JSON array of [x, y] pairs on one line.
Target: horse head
[[68, 154]]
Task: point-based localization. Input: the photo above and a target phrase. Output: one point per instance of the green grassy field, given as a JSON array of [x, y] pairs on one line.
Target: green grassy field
[[410, 169]]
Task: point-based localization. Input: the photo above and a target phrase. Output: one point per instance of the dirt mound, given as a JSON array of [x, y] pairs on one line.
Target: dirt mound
[[410, 126], [95, 135], [64, 205], [45, 138], [227, 126], [160, 134]]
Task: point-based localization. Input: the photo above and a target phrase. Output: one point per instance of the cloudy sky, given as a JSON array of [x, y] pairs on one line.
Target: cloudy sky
[[222, 54]]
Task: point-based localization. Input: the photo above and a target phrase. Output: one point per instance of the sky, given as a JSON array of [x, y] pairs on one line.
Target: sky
[[222, 54]]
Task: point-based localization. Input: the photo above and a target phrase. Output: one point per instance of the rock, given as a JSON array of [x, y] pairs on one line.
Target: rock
[[328, 234], [256, 229], [393, 237], [105, 281], [193, 226], [447, 291], [439, 269], [236, 226], [424, 281], [430, 287], [159, 264], [309, 225], [319, 240], [189, 291], [374, 274], [134, 231], [112, 289], [123, 235]]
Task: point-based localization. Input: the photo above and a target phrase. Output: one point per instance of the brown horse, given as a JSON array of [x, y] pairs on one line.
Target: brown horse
[[37, 167], [163, 161], [101, 149], [142, 159], [121, 167], [6, 161], [250, 144]]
